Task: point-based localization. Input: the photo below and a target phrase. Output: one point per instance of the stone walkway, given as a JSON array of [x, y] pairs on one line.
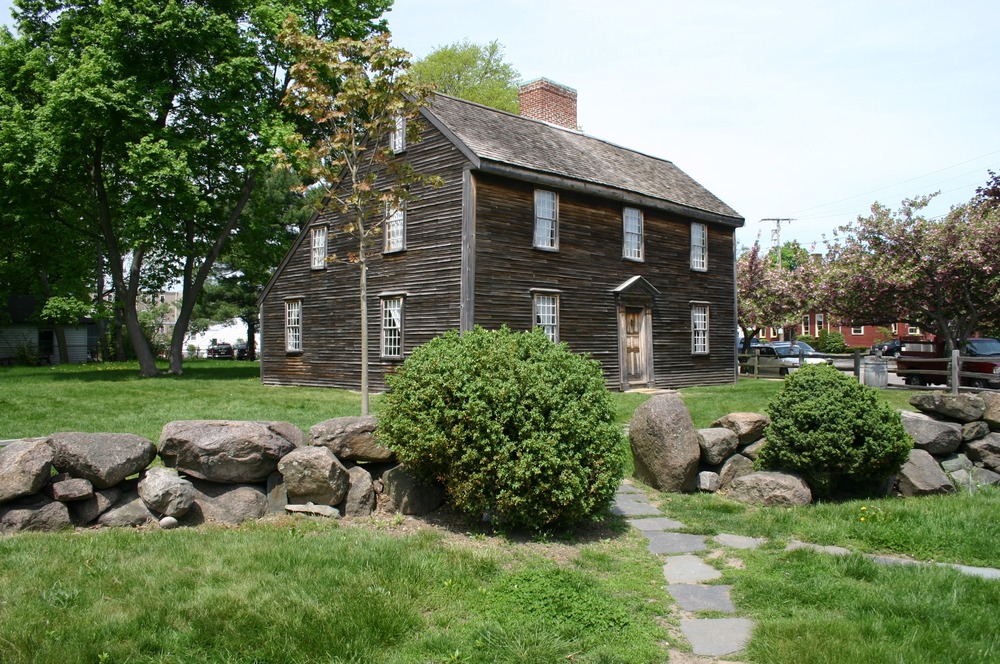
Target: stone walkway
[[689, 578]]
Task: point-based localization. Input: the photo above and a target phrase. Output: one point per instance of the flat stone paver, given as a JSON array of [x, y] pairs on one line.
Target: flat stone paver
[[660, 523], [667, 542], [628, 489], [696, 597], [688, 569], [739, 541], [717, 636], [984, 572], [626, 507], [832, 550]]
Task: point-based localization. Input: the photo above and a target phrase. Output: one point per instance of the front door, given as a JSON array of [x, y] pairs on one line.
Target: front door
[[635, 346]]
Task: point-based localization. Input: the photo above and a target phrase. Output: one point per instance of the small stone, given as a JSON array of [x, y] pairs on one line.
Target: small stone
[[314, 510], [708, 481], [169, 523]]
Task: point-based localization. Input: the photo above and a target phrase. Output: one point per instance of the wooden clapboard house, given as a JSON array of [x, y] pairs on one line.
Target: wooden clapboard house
[[619, 254]]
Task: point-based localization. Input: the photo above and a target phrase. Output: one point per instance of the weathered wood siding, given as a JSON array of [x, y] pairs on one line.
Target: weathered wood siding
[[588, 266], [428, 272]]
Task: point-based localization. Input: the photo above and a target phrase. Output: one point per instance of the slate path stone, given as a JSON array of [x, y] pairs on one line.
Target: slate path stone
[[832, 550], [675, 543], [739, 541], [696, 597], [688, 569], [655, 523], [716, 637], [627, 507]]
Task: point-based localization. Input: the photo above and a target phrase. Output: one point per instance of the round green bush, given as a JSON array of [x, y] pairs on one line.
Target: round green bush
[[514, 426], [834, 432]]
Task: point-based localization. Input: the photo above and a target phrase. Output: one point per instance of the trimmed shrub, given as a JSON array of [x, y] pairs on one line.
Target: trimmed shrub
[[514, 426], [830, 342], [834, 432]]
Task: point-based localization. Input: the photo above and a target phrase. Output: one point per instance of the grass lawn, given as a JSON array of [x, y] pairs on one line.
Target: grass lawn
[[404, 590]]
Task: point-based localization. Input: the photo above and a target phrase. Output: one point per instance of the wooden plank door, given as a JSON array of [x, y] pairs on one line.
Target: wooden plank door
[[635, 346]]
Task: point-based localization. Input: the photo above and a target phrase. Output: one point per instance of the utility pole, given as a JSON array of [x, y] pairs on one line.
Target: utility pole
[[776, 241]]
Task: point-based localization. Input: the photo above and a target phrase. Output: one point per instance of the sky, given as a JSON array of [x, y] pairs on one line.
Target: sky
[[797, 109]]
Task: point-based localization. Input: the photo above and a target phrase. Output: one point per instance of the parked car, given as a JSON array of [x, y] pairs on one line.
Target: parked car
[[768, 361], [888, 348], [980, 357], [754, 343], [221, 351], [800, 348], [241, 351]]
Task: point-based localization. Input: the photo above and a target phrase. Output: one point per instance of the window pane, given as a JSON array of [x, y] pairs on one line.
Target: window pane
[[395, 224], [699, 247], [633, 234], [546, 210], [547, 315], [293, 325], [319, 247], [397, 139], [699, 329], [392, 327]]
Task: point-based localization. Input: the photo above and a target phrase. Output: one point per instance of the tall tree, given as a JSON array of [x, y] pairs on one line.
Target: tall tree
[[152, 123], [769, 293], [359, 91], [472, 72]]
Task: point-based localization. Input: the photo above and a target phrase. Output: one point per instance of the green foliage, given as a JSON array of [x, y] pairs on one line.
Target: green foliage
[[834, 432], [471, 72], [831, 341], [809, 339], [513, 425]]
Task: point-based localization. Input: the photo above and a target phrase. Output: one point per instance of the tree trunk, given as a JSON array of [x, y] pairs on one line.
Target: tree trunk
[[143, 352], [364, 332], [251, 340]]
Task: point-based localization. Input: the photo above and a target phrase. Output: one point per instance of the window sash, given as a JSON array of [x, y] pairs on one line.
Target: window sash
[[699, 329], [857, 331], [547, 315], [699, 246], [632, 246], [546, 219], [293, 325], [392, 327], [395, 228], [820, 323], [397, 139], [806, 326], [319, 253]]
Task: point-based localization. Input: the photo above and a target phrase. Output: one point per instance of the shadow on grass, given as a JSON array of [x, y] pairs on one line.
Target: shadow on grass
[[110, 372]]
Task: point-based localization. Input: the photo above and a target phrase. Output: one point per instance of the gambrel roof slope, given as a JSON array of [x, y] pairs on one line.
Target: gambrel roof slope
[[495, 139]]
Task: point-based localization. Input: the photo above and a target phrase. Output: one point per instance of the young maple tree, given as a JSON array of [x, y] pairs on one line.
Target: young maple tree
[[359, 93]]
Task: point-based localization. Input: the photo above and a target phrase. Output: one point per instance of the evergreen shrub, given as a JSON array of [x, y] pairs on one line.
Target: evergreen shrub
[[514, 426], [834, 432], [831, 341]]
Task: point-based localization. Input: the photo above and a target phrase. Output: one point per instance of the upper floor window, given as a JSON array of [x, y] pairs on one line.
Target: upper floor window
[[392, 327], [699, 329], [395, 227], [632, 245], [547, 314], [319, 247], [397, 139], [857, 331], [546, 219], [699, 246], [293, 326]]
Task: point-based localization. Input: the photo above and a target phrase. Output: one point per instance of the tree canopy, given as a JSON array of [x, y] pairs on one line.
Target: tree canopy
[[472, 72], [771, 293]]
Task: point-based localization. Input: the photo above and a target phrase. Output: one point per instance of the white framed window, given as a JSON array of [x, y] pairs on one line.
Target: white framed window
[[857, 331], [895, 329], [699, 247], [397, 139], [395, 227], [820, 322], [699, 329], [319, 234], [546, 314], [806, 325], [546, 219], [293, 326], [632, 241], [913, 331], [392, 327]]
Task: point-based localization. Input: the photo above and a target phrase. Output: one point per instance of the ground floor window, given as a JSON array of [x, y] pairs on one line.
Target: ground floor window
[[699, 329], [392, 327], [547, 314], [293, 326]]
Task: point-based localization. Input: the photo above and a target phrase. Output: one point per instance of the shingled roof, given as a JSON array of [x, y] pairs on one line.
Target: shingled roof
[[492, 137]]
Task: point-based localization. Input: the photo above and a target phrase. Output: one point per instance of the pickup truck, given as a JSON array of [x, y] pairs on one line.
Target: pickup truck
[[980, 357]]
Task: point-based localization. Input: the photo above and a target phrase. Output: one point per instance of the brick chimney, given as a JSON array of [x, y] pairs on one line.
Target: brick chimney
[[542, 99]]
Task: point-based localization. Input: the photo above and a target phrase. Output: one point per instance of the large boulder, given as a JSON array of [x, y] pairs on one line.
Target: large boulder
[[36, 512], [229, 504], [735, 466], [166, 492], [25, 467], [409, 494], [991, 414], [748, 427], [129, 511], [314, 475], [771, 489], [665, 447], [717, 445], [958, 407], [970, 480], [226, 451], [103, 458], [351, 439], [360, 500], [921, 475], [986, 451], [936, 437]]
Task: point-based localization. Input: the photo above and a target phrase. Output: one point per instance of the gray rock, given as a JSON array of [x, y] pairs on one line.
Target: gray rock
[[971, 479], [975, 430], [71, 489], [991, 414], [665, 447], [688, 569], [314, 475], [697, 597], [164, 491], [717, 445], [351, 439], [129, 511], [169, 523], [35, 512], [986, 451], [934, 436], [751, 450], [748, 427], [984, 477], [103, 458], [954, 462], [770, 489], [735, 466], [225, 503], [360, 499], [921, 475], [277, 497], [227, 451], [25, 467], [958, 407], [409, 494], [671, 543], [85, 512], [708, 481], [314, 510], [715, 637]]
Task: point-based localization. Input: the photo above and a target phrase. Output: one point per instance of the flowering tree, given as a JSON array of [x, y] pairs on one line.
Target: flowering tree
[[769, 294], [938, 274]]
